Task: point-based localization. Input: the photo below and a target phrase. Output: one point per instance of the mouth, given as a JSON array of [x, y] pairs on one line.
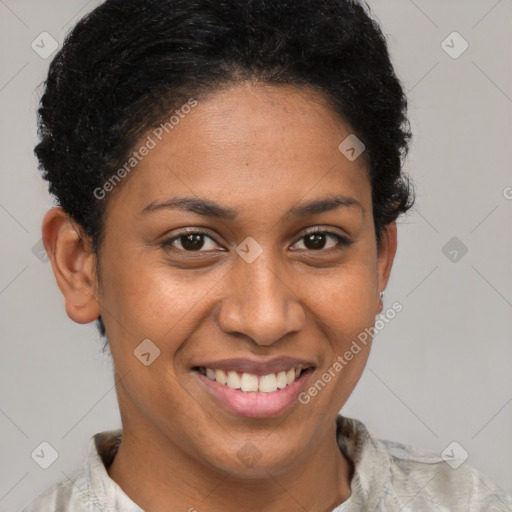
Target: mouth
[[249, 382], [254, 395]]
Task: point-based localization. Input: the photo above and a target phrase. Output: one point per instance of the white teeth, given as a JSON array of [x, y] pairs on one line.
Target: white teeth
[[248, 382], [281, 380], [233, 380], [220, 376], [268, 383]]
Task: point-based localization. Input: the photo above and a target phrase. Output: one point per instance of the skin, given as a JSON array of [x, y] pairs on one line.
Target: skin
[[259, 150]]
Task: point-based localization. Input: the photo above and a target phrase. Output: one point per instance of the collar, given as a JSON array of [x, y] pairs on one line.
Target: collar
[[372, 465]]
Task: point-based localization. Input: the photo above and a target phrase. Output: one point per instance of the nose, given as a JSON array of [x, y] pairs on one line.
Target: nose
[[259, 304]]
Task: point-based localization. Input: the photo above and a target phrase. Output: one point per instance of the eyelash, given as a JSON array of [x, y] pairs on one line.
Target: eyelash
[[342, 241]]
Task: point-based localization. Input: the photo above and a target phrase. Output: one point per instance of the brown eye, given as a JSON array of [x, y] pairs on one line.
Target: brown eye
[[315, 241], [318, 240], [191, 241]]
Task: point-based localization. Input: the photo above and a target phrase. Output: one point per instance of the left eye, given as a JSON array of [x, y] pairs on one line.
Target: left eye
[[318, 240]]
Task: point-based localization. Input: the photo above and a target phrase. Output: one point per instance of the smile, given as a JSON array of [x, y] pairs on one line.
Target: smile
[[247, 382], [254, 396]]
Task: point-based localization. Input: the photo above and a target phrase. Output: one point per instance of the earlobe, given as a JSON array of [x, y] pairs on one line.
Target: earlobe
[[385, 257], [73, 263]]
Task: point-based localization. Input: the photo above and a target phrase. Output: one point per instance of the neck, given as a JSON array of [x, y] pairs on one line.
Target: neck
[[160, 476]]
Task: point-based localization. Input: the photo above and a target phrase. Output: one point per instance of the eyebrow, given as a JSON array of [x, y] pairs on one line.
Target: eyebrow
[[209, 208]]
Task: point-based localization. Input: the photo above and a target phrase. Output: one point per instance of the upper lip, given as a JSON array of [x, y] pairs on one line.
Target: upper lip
[[258, 366]]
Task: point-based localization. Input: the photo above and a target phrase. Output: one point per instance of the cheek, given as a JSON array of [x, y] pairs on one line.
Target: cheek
[[347, 312], [151, 300], [345, 309], [346, 300]]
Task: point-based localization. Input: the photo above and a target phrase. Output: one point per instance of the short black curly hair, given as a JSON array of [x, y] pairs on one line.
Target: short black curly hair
[[128, 63]]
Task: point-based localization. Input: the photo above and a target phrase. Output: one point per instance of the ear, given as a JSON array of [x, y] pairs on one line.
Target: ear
[[385, 257], [73, 263]]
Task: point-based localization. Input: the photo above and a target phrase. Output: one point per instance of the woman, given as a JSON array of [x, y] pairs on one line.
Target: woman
[[229, 175]]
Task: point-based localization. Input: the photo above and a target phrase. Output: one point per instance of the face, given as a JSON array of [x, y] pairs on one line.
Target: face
[[244, 242]]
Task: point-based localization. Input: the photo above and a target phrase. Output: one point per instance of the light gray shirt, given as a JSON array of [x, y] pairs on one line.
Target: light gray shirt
[[388, 477]]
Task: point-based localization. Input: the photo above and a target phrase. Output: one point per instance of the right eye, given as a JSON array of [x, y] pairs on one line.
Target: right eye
[[191, 240]]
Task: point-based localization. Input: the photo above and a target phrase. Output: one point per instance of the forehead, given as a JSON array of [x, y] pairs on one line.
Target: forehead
[[249, 146]]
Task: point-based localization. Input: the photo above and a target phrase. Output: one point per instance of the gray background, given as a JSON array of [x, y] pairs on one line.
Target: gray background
[[439, 372]]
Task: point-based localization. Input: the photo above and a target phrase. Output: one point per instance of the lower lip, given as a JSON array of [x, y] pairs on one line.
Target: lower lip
[[255, 404]]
